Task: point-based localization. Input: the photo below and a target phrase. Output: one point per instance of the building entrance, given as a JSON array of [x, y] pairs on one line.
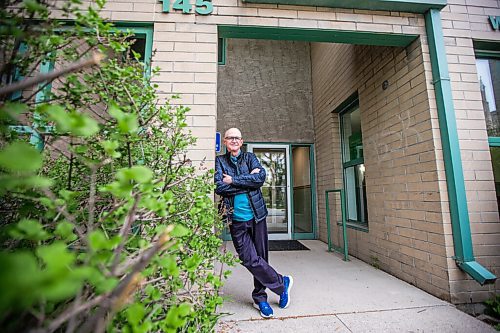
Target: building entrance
[[276, 189]]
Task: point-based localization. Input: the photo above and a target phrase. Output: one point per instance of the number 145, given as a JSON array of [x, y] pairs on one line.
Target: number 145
[[203, 7]]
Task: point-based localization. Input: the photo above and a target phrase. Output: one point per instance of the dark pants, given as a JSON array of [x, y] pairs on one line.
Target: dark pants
[[250, 241]]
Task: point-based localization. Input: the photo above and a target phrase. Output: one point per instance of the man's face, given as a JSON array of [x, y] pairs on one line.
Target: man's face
[[233, 140]]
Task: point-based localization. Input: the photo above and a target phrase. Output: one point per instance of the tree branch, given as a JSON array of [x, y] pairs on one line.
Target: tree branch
[[29, 82], [123, 232]]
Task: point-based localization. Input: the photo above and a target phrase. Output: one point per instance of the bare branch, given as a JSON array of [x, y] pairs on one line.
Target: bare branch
[[29, 82], [128, 284], [66, 214], [123, 232]]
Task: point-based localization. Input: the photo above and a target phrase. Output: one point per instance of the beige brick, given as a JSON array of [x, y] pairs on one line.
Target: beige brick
[[298, 23], [280, 13], [195, 47], [267, 21], [192, 88]]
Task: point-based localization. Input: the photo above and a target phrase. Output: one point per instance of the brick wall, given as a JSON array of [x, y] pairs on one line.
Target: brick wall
[[464, 21], [187, 46], [405, 214]]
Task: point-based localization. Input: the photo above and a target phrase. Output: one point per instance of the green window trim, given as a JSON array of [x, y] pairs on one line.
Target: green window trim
[[354, 162], [143, 31], [494, 141], [359, 226], [222, 45], [36, 138], [488, 50], [346, 107]]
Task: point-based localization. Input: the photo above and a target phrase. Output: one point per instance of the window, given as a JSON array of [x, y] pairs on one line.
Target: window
[[353, 164], [142, 44], [488, 70], [221, 51]]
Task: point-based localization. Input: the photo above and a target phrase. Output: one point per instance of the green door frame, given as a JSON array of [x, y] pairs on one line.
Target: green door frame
[[462, 239], [306, 235]]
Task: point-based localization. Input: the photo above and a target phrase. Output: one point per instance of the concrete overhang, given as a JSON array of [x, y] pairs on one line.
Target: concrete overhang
[[412, 6]]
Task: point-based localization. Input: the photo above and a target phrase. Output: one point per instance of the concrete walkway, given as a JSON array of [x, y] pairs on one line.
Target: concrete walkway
[[330, 295]]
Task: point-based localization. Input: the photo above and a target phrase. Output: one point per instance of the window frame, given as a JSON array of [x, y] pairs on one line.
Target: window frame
[[489, 51], [348, 106], [36, 137]]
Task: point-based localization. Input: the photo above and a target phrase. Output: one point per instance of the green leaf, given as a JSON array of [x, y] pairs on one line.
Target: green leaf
[[65, 230], [193, 262], [76, 123], [135, 313], [97, 240], [127, 122], [110, 147], [33, 6], [179, 231], [107, 284], [56, 256], [139, 173], [184, 309], [60, 289], [29, 229], [19, 281], [11, 111], [20, 157]]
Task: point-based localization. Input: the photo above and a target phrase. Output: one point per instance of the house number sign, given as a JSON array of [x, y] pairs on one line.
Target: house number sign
[[201, 7]]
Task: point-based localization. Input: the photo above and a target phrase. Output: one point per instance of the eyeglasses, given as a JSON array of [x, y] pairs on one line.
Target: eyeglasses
[[233, 138]]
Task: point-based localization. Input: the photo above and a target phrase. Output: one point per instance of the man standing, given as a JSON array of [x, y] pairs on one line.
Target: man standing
[[238, 179]]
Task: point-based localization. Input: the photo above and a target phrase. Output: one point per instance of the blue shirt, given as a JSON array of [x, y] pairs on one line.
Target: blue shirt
[[242, 210]]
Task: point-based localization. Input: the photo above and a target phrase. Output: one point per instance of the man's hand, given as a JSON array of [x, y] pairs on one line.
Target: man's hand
[[227, 179], [256, 170]]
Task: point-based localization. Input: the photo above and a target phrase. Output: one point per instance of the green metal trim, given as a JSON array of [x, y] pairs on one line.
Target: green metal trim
[[353, 162], [482, 54], [414, 6], [344, 250], [312, 161], [344, 108], [145, 30], [478, 272], [462, 239], [36, 139], [349, 103], [17, 74], [222, 41], [316, 35], [486, 45], [292, 215], [313, 234], [359, 226], [494, 141]]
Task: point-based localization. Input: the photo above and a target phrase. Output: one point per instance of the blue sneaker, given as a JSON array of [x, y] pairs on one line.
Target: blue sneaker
[[266, 311], [285, 296]]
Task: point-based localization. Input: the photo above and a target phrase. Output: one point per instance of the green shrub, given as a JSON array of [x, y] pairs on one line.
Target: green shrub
[[110, 227]]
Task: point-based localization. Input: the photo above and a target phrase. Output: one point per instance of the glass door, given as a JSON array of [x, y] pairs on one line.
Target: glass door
[[276, 189]]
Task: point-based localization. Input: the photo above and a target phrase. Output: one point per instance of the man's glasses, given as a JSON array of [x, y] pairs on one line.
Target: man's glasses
[[233, 138]]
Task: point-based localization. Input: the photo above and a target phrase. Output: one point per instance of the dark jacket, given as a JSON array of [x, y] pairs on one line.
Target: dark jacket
[[243, 182]]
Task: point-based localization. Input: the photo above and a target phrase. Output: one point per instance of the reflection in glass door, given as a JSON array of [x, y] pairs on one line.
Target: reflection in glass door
[[274, 159]]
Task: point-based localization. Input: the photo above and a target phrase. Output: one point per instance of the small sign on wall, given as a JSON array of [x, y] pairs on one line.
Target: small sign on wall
[[217, 142]]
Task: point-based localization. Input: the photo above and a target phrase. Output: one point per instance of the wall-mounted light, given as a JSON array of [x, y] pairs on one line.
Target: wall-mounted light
[[385, 85]]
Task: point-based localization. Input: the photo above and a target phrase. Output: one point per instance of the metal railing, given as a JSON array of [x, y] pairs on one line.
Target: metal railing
[[339, 249]]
